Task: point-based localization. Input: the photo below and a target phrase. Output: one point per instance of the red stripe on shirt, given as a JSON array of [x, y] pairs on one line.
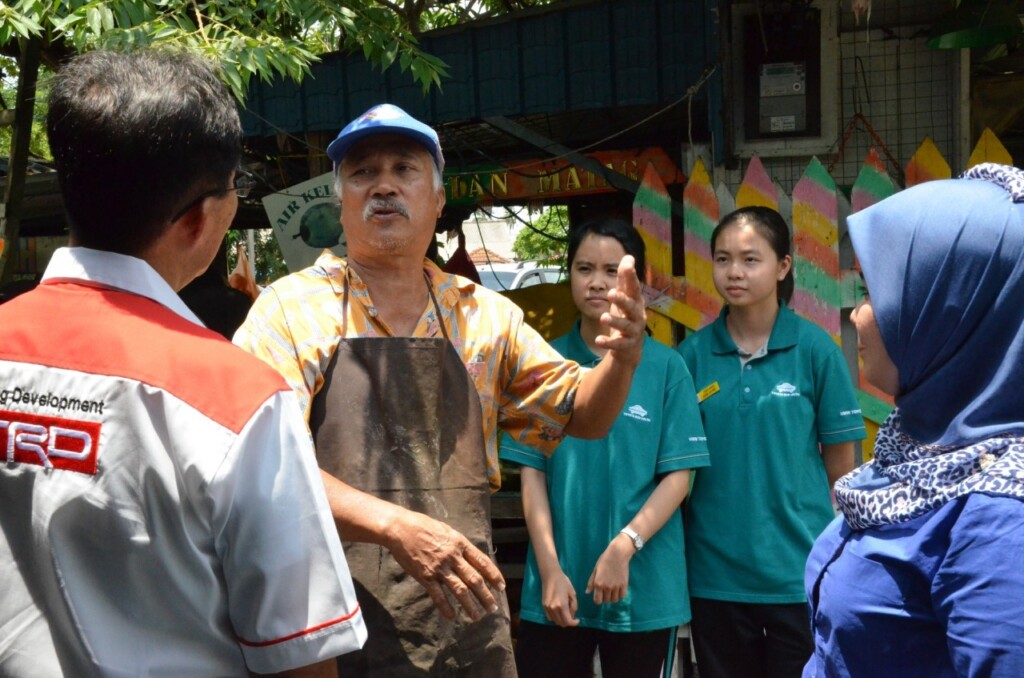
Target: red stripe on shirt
[[109, 332], [312, 629]]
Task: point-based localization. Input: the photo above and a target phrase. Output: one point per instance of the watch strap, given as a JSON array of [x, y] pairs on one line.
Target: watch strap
[[634, 536]]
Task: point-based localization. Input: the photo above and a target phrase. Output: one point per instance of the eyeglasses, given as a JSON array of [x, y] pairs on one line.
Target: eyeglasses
[[244, 182]]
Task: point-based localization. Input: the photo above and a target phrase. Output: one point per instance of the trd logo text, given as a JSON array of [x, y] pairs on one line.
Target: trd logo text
[[50, 442]]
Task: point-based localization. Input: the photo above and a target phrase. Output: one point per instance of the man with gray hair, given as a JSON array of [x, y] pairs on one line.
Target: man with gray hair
[[405, 374]]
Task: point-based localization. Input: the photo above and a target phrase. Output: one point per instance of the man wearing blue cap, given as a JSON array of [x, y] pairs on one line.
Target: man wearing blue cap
[[406, 373]]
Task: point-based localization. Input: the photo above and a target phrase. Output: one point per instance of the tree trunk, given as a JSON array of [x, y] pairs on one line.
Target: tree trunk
[[17, 163]]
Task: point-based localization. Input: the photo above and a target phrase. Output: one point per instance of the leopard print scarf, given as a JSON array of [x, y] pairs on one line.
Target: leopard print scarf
[[921, 478], [1010, 178]]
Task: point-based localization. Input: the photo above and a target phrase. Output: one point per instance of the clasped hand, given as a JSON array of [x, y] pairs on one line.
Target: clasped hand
[[608, 583]]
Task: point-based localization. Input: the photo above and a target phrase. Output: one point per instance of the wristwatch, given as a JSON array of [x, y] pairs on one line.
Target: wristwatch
[[638, 541]]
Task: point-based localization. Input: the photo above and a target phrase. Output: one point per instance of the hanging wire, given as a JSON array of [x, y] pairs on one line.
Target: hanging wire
[[691, 92], [487, 252], [688, 97], [859, 119], [860, 82]]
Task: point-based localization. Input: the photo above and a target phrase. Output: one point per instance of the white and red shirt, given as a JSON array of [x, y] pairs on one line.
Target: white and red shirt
[[161, 511]]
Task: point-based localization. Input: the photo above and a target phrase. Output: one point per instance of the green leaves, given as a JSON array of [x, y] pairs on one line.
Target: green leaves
[[545, 239], [261, 38], [15, 24], [243, 58]]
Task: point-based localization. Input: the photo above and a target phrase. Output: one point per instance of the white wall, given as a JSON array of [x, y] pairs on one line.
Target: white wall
[[482, 230]]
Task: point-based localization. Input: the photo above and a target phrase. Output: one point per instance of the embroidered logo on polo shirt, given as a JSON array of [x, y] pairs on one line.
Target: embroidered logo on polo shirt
[[785, 390], [50, 442], [637, 412]]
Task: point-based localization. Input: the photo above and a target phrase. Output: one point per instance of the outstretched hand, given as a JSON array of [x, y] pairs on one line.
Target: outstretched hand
[[626, 319], [443, 561]]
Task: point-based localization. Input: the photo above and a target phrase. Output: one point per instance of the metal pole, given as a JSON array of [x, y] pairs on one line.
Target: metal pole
[[250, 235]]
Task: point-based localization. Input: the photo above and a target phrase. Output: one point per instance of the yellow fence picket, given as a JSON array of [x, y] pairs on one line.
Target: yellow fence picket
[[927, 164], [816, 248], [757, 188], [702, 212], [989, 149], [665, 295]]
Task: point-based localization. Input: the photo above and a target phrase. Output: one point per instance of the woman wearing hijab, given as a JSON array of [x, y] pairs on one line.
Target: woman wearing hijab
[[923, 573]]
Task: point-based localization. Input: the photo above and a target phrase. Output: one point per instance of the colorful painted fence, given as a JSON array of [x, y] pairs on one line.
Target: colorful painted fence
[[816, 210]]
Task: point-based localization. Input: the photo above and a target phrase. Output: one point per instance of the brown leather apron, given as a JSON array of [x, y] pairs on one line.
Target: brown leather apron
[[400, 418]]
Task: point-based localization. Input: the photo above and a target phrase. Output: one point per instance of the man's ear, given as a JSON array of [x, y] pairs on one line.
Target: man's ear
[[440, 201], [193, 221], [179, 253]]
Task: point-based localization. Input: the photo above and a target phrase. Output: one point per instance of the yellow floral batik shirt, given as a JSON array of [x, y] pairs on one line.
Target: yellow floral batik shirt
[[526, 388]]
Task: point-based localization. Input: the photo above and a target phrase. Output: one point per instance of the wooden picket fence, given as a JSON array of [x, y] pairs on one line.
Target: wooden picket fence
[[815, 211]]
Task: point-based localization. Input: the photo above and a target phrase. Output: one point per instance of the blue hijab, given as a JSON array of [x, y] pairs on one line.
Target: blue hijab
[[944, 265]]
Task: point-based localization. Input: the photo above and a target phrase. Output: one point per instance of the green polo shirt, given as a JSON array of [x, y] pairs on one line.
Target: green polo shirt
[[595, 487], [754, 514]]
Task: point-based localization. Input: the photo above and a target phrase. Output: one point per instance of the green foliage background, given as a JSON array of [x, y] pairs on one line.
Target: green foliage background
[[546, 238], [269, 264], [264, 39], [38, 148]]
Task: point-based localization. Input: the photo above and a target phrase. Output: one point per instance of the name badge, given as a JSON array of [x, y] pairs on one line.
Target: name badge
[[707, 392]]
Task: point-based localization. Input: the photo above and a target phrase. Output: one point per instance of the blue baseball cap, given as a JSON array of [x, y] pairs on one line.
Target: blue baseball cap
[[385, 119]]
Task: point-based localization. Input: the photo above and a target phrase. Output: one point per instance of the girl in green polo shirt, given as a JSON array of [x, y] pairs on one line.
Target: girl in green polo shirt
[[781, 416], [605, 570]]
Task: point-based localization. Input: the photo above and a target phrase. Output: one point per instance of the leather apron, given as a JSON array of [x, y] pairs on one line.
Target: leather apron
[[400, 418]]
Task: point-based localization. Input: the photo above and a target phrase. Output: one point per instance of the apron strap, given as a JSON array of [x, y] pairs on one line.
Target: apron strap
[[437, 307], [344, 304]]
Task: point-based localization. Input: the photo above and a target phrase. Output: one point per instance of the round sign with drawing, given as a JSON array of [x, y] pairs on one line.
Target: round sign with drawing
[[306, 219]]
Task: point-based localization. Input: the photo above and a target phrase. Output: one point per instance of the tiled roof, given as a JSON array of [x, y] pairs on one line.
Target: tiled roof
[[482, 255]]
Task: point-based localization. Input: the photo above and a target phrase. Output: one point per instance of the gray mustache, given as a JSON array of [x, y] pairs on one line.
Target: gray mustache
[[389, 204]]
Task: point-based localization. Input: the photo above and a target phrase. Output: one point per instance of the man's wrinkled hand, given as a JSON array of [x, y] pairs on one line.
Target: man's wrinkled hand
[[626, 320], [443, 561]]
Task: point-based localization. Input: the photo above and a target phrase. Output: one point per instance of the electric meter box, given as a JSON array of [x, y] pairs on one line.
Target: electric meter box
[[783, 98]]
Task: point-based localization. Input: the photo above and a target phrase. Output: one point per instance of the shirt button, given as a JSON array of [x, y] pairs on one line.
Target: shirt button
[[746, 390], [748, 366]]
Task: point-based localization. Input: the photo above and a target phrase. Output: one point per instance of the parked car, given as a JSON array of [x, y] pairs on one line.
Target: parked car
[[502, 277]]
